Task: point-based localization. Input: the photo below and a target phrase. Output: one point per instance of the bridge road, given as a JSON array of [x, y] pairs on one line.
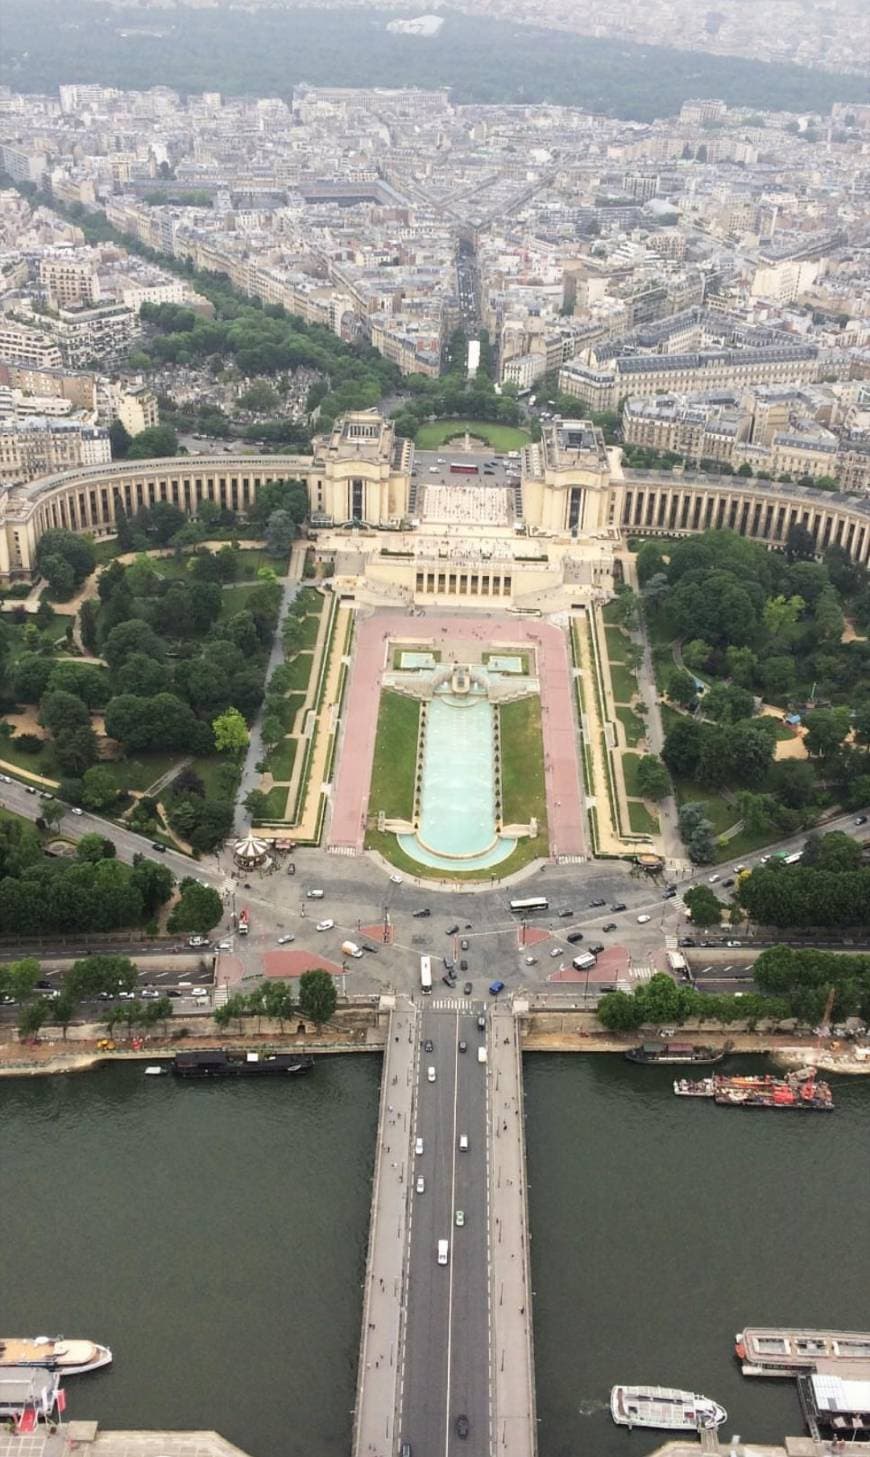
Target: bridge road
[[375, 1432], [513, 1375], [445, 1353]]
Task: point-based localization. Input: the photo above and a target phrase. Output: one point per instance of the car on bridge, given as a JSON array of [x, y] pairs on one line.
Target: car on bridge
[[460, 1218]]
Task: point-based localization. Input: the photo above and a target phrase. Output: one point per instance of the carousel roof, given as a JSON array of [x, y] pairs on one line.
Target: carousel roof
[[250, 848]]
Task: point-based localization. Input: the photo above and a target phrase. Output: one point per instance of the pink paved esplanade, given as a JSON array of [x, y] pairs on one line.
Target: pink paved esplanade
[[561, 766]]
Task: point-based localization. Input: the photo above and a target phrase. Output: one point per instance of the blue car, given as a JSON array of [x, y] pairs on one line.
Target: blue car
[[496, 987]]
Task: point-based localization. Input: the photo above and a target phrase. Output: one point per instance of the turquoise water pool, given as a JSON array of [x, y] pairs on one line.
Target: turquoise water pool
[[414, 661], [457, 805], [497, 664]]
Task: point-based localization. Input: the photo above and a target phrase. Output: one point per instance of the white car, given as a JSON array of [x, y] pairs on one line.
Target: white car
[[531, 961], [556, 951], [712, 879], [223, 946], [418, 1145], [642, 920], [283, 940], [430, 1075], [421, 1185], [463, 1143], [76, 811], [396, 879], [5, 779], [325, 925]]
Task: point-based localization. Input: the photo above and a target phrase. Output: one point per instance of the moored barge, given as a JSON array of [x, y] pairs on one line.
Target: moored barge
[[780, 1351], [676, 1052], [226, 1063]]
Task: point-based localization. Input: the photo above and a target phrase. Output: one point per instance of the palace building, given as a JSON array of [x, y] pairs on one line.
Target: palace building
[[544, 539]]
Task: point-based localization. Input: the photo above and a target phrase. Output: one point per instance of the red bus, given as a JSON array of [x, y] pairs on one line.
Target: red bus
[[458, 468]]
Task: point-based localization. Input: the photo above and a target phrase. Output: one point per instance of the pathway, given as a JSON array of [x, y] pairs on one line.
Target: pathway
[[256, 750], [324, 727], [608, 840]]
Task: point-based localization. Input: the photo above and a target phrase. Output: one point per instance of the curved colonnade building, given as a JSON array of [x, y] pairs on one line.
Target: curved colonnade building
[[577, 504]]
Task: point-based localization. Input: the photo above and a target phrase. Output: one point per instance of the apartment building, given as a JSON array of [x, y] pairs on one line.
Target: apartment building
[[41, 445], [68, 282], [644, 375]]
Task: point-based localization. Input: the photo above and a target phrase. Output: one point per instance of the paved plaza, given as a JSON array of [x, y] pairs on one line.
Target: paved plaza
[[471, 505], [559, 727]]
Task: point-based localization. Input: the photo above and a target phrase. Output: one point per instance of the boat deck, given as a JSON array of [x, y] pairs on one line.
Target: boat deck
[[778, 1351]]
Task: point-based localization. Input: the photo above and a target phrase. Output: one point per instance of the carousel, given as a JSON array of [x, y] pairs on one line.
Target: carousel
[[251, 853]]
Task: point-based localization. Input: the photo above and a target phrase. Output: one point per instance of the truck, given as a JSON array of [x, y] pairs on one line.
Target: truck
[[584, 962], [677, 963], [244, 920], [481, 1054], [425, 974], [350, 948]]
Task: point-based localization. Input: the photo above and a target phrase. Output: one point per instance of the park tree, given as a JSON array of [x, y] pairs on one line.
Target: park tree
[[120, 440], [279, 533], [697, 833], [99, 790], [680, 687], [727, 703], [197, 910], [59, 576], [132, 637], [619, 1012], [697, 654], [152, 443], [826, 730], [260, 397], [32, 1016], [705, 906], [18, 979], [317, 996], [91, 975], [86, 682], [682, 750], [257, 804], [800, 544], [64, 1009], [52, 811], [76, 750], [653, 780], [230, 732], [77, 551], [32, 675], [62, 712]]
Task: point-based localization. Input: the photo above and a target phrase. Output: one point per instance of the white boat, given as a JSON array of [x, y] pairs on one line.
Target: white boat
[[155, 1070], [665, 1408], [54, 1353]]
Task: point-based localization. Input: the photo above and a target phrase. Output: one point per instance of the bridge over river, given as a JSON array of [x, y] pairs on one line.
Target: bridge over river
[[442, 1342]]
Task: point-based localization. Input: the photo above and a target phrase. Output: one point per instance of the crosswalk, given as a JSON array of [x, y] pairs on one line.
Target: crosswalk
[[452, 1004], [221, 995], [641, 973]]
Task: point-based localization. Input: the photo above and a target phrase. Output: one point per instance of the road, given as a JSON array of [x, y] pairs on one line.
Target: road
[[446, 1347]]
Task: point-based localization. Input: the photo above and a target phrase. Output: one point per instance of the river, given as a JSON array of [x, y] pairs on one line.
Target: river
[[214, 1235]]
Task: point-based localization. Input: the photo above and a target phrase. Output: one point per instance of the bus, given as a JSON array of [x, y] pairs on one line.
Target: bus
[[530, 905], [463, 468], [425, 973], [794, 858]]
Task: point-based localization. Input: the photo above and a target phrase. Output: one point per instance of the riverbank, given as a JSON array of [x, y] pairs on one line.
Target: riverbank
[[364, 1029]]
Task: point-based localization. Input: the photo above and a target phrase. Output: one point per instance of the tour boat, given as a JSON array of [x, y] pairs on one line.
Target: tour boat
[[664, 1408], [223, 1063], [55, 1353], [676, 1052]]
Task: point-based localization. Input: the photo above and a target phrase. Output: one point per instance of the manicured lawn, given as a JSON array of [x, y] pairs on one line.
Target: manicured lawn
[[629, 773], [522, 763], [280, 761], [612, 611], [235, 599], [618, 645], [634, 726], [14, 634], [720, 813], [141, 770], [388, 846], [42, 762], [624, 682], [640, 819], [219, 774], [312, 599], [300, 672], [395, 759], [500, 437], [293, 702], [276, 804], [310, 625]]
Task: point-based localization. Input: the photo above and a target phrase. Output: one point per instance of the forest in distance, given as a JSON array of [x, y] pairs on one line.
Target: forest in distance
[[268, 52]]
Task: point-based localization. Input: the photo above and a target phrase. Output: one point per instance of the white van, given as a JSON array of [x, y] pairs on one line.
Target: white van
[[314, 895], [443, 1250], [481, 1054], [430, 1074], [350, 948]]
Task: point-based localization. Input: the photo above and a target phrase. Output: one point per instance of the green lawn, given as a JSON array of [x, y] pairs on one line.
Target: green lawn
[[312, 599], [140, 770], [310, 626], [14, 634], [42, 762], [635, 728], [641, 821], [526, 851], [624, 682], [618, 645], [524, 793], [293, 702], [235, 599], [276, 805], [720, 813], [395, 758], [500, 437], [280, 762], [629, 773], [300, 672], [612, 611], [219, 774]]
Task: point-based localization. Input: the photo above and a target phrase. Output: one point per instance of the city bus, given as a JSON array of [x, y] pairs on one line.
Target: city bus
[[530, 905], [425, 973], [463, 468]]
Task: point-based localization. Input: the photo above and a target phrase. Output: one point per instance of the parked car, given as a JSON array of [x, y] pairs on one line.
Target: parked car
[[156, 845], [418, 1145], [421, 1184], [463, 965]]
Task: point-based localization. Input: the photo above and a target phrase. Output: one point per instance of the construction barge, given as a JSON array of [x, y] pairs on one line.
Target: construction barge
[[800, 1090]]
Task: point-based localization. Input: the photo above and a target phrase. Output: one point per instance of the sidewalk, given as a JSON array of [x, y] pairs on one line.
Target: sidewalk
[[379, 1364], [514, 1425]]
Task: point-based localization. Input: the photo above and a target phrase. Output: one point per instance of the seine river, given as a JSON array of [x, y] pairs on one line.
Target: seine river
[[214, 1236]]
